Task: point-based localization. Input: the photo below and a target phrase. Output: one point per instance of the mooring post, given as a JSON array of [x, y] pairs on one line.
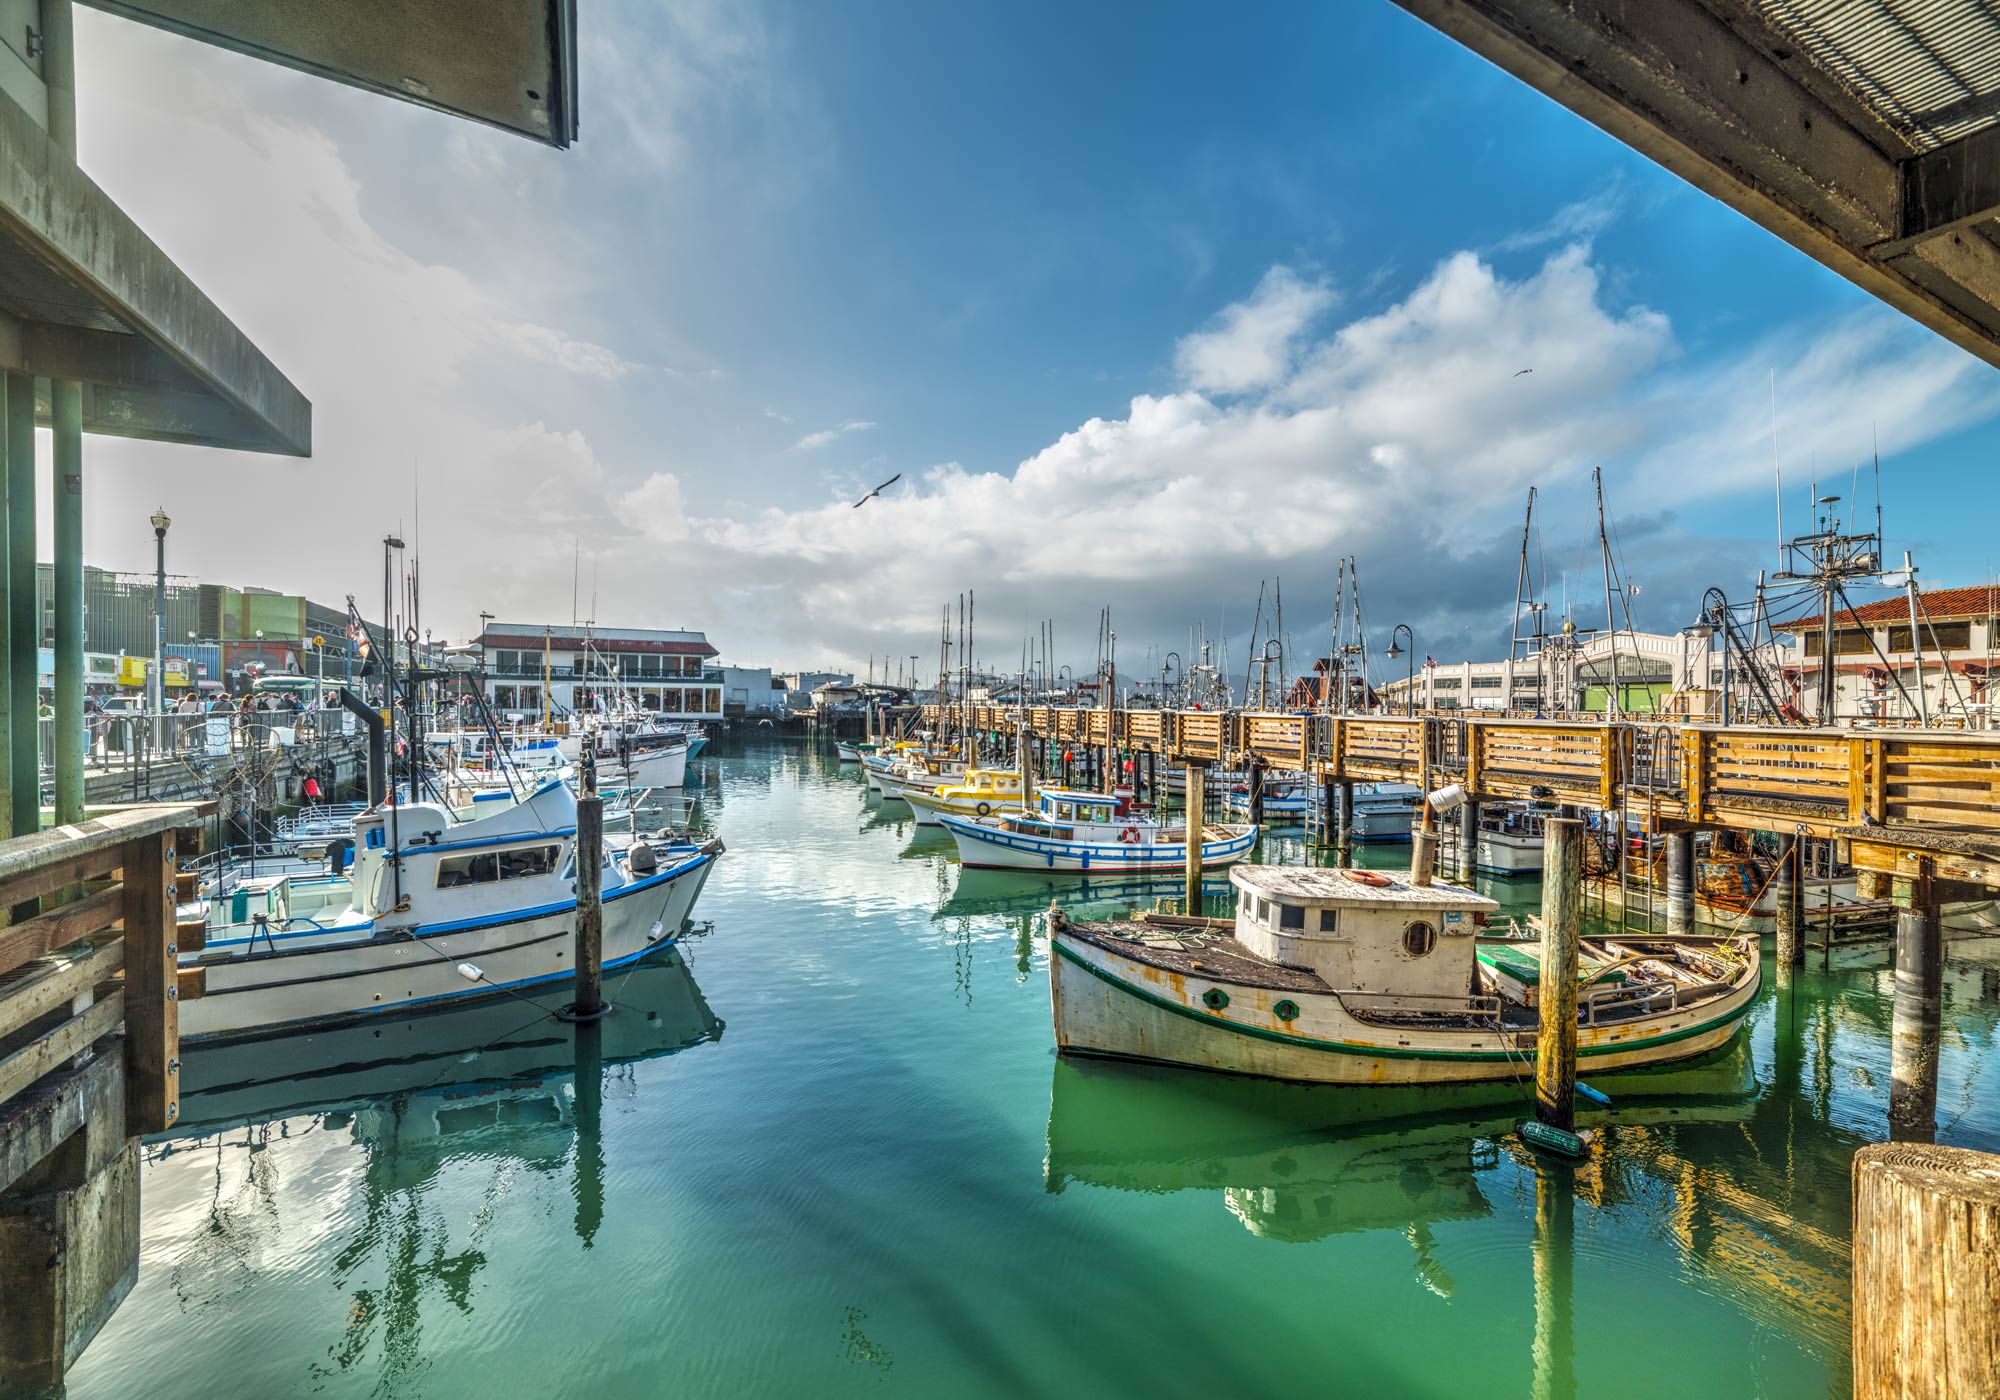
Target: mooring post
[[589, 909], [1913, 1036], [1343, 824], [1468, 839], [1680, 883], [1329, 799], [1791, 931], [1194, 806], [1562, 926], [1026, 749], [1926, 1272], [1256, 777]]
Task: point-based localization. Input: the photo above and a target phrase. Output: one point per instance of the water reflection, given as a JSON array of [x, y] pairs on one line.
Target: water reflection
[[500, 1088]]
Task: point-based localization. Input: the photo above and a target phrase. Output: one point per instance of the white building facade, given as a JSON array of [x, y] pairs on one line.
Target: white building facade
[[567, 669]]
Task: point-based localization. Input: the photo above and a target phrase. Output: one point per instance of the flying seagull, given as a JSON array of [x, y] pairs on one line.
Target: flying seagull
[[878, 490], [1519, 372]]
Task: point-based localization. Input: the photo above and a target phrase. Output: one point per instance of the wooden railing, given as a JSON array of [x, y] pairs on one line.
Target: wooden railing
[[1771, 777], [93, 947]]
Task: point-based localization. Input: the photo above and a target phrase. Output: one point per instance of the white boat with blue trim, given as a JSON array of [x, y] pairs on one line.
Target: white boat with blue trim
[[434, 907], [1095, 832], [1359, 977]]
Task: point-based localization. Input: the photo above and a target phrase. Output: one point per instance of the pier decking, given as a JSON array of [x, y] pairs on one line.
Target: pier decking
[[1892, 797]]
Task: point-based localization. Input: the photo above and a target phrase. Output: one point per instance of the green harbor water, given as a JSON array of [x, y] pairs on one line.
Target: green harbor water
[[827, 1150]]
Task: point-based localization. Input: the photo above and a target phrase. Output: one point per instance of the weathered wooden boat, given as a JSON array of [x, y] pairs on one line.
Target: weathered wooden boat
[[980, 792], [433, 908], [1089, 831], [1358, 977]]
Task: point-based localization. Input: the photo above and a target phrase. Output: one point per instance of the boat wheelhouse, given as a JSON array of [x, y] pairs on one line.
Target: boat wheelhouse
[[1360, 977], [1090, 831], [1510, 841], [979, 793]]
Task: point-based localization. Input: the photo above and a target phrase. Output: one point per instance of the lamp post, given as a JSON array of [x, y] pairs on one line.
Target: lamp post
[[156, 695], [1410, 691]]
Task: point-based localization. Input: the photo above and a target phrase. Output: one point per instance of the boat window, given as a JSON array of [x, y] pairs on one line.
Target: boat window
[[1329, 920], [484, 867], [1418, 939], [1292, 916]]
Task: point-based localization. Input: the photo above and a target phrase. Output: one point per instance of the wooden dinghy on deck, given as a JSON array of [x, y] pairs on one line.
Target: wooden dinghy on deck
[[1354, 977]]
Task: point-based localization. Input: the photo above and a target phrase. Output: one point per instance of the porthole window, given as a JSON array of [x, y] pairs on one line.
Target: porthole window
[[1418, 939], [1286, 1010], [1215, 999]]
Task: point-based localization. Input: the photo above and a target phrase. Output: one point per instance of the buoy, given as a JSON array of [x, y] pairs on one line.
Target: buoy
[[1555, 1141], [1596, 1096]]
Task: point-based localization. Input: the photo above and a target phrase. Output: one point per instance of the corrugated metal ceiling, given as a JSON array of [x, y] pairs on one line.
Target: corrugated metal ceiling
[[1930, 69]]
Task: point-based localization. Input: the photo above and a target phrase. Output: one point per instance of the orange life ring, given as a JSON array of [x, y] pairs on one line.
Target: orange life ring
[[1130, 835]]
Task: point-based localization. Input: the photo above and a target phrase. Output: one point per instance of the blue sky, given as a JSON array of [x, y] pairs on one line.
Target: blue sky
[[1245, 288]]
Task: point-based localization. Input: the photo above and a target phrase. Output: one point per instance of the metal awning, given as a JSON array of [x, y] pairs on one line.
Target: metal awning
[[507, 63], [1864, 132], [85, 295]]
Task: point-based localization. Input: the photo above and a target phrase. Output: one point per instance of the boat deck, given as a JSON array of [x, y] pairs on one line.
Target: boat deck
[[1208, 949]]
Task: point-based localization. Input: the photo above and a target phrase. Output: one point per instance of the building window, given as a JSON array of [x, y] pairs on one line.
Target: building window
[[503, 697], [670, 701], [1940, 636]]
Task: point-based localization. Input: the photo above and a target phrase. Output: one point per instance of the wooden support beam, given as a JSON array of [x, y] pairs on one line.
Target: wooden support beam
[[152, 993], [43, 934]]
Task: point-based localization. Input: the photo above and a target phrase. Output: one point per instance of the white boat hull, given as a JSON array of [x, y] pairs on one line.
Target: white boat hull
[[982, 847], [1105, 1004], [1503, 853], [393, 971]]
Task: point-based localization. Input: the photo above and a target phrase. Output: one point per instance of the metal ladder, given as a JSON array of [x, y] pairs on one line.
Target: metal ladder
[[1641, 892]]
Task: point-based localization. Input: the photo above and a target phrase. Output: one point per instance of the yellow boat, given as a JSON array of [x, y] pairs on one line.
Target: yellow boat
[[983, 792]]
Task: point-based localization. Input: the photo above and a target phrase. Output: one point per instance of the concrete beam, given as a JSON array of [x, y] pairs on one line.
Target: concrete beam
[[1711, 94], [510, 64], [75, 263], [1951, 188]]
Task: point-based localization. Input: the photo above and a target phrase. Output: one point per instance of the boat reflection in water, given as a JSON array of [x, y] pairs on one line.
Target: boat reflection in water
[[1302, 1162]]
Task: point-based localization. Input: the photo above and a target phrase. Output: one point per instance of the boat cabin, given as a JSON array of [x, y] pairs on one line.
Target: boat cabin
[[1362, 930]]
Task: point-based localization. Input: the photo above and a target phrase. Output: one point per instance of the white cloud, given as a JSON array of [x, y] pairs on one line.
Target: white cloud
[[553, 347], [811, 441], [1579, 222], [1249, 346]]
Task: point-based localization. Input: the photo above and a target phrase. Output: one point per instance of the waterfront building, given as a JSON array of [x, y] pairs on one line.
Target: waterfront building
[[1876, 656], [572, 667]]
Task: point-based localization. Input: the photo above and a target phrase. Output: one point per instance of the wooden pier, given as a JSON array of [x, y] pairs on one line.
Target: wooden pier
[[90, 995]]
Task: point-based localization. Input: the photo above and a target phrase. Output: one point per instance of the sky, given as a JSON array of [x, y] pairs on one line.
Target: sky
[[1144, 305]]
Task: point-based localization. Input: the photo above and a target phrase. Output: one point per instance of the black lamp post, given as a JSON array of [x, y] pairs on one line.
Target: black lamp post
[[1410, 692], [156, 695]]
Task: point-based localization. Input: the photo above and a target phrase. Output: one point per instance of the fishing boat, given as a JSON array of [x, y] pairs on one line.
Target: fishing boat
[[1360, 977], [1093, 831], [921, 773], [1284, 798], [852, 753], [1384, 811], [1510, 841], [435, 906], [979, 793]]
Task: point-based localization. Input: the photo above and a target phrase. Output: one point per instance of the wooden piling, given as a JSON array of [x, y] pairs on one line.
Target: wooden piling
[[1791, 947], [1343, 824], [1913, 1036], [1926, 1273], [1562, 926], [589, 909], [1194, 814], [1256, 777], [1680, 882], [1468, 840]]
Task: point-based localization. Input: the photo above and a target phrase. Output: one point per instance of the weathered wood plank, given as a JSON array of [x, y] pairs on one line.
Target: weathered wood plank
[[61, 981], [43, 934], [51, 1051]]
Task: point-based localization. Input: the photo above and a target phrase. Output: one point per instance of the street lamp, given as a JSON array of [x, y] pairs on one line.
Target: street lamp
[[156, 699], [1410, 693]]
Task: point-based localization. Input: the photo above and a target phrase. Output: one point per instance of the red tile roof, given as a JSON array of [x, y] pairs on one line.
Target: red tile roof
[[1940, 605]]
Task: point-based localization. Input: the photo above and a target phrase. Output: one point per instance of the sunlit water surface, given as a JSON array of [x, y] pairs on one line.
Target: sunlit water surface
[[827, 1150]]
